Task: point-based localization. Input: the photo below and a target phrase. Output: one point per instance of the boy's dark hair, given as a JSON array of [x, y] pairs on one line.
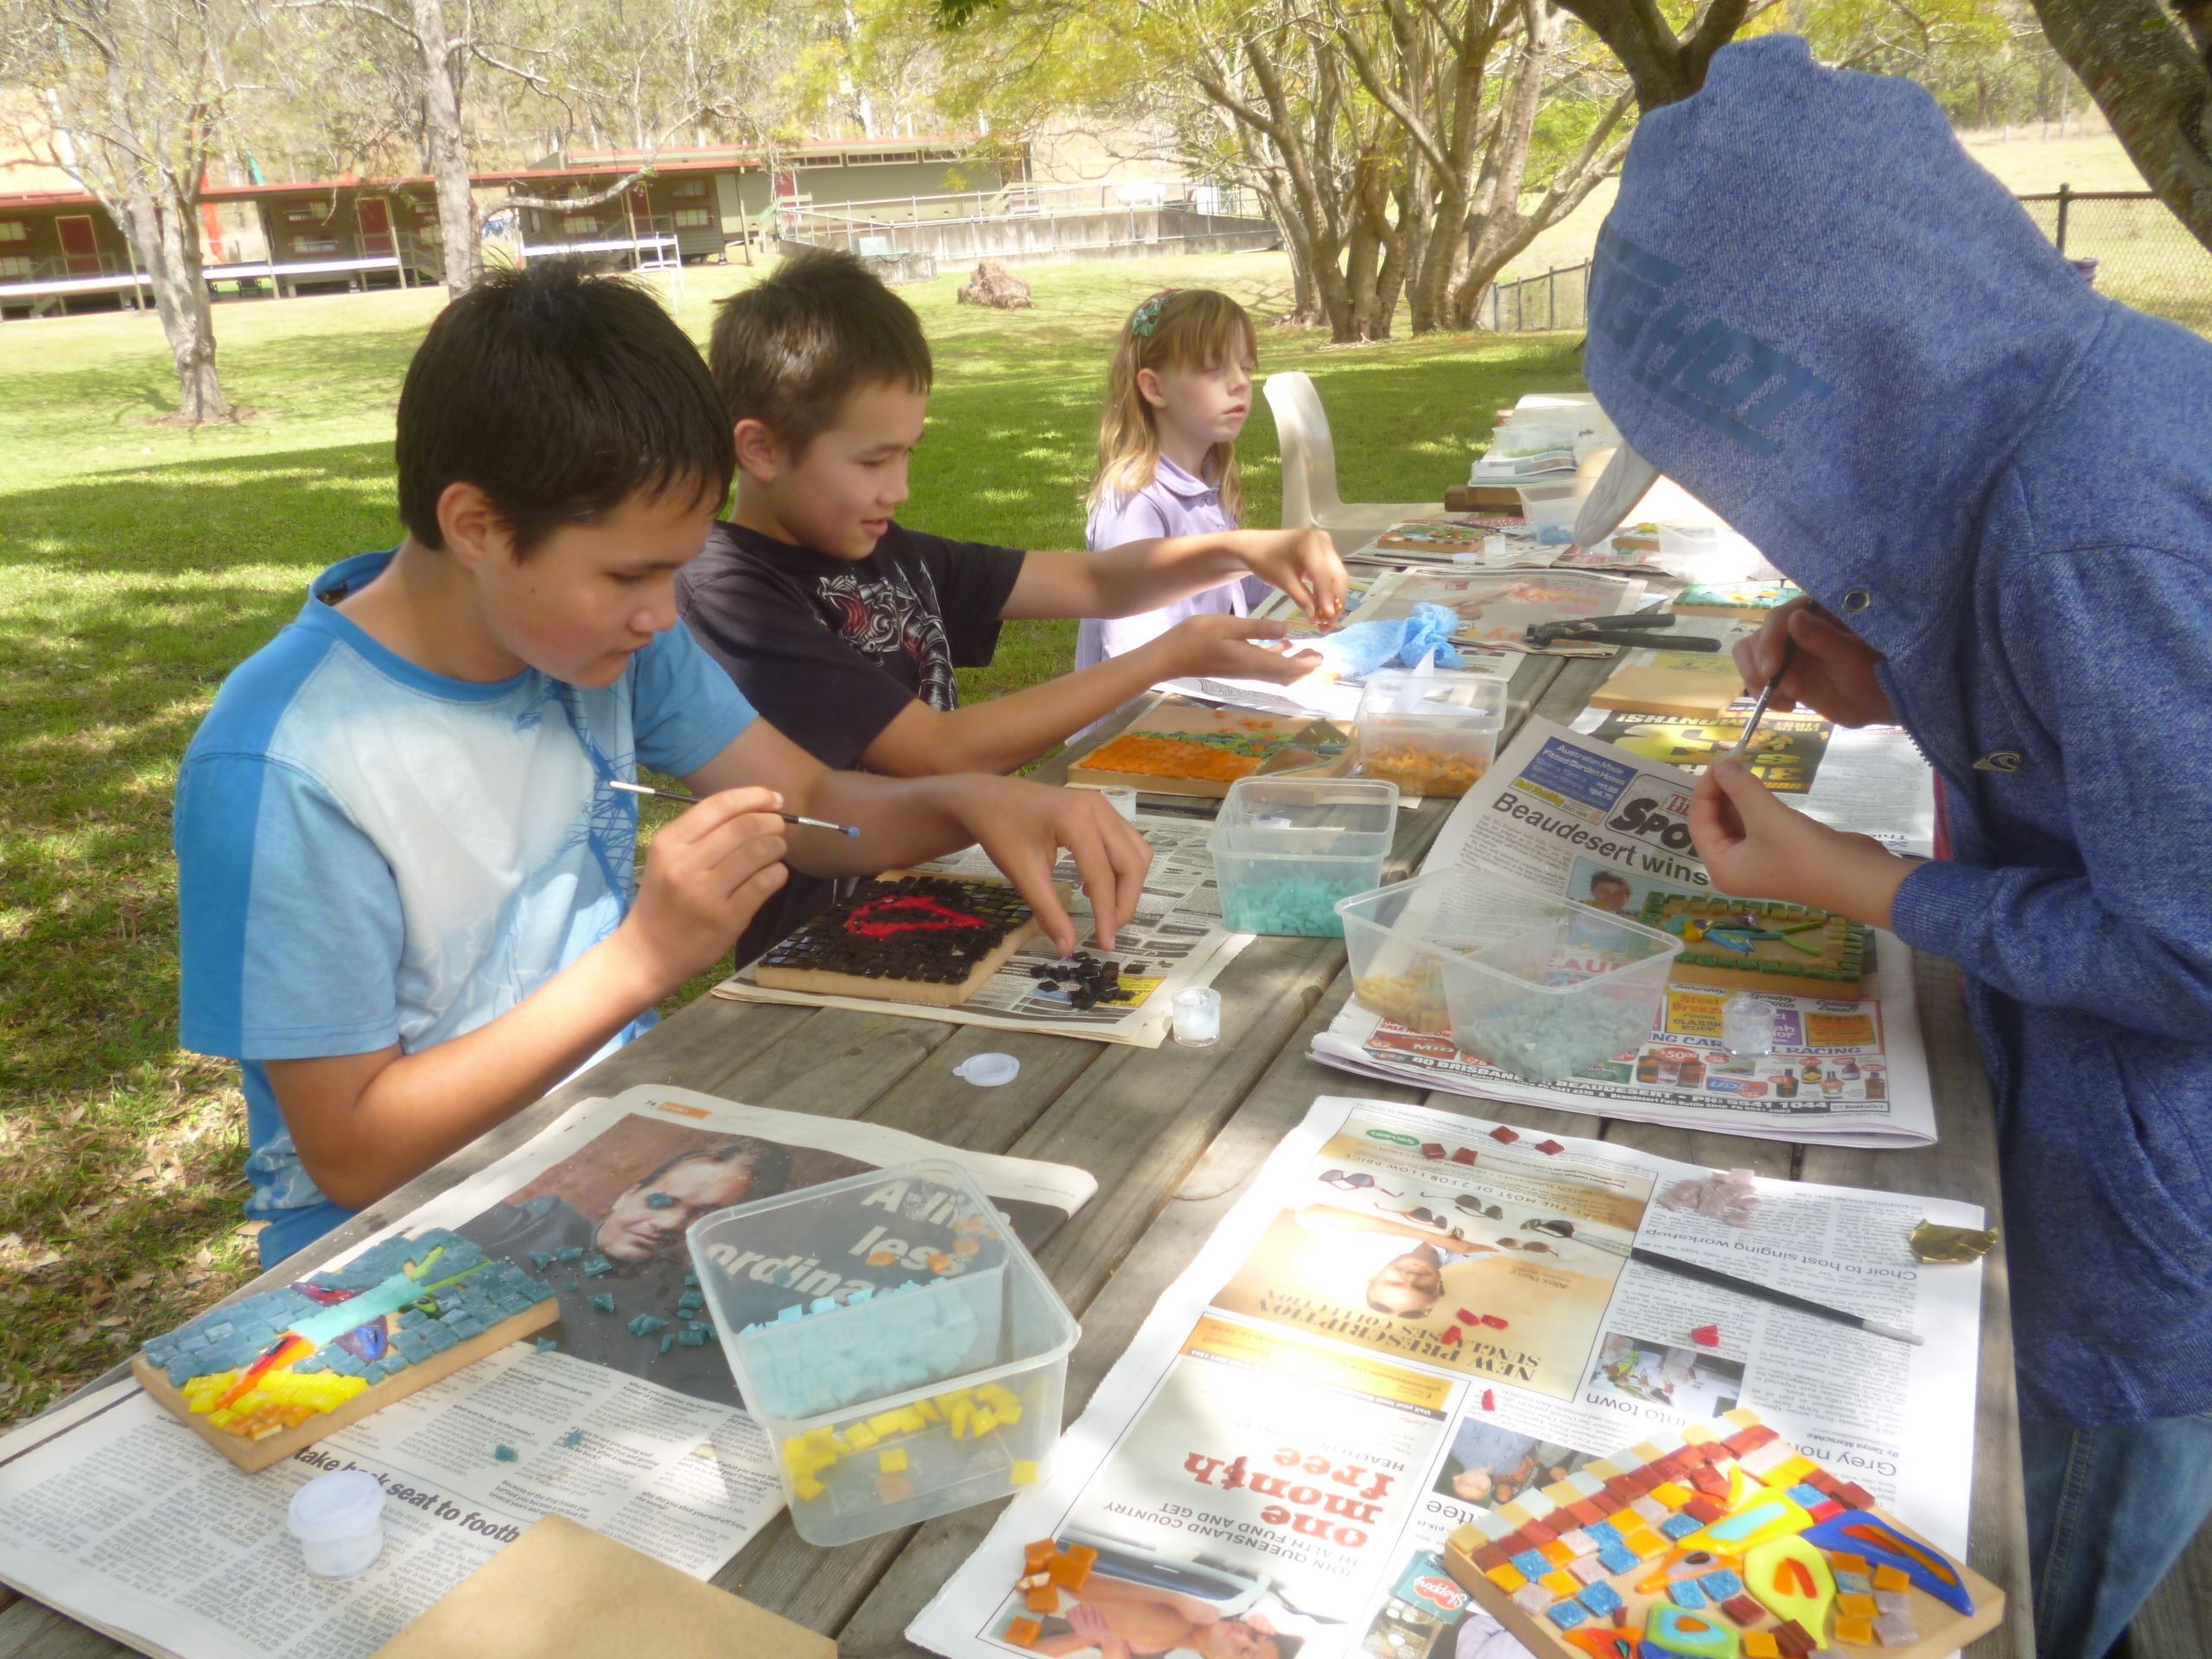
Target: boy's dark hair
[[560, 395], [788, 351]]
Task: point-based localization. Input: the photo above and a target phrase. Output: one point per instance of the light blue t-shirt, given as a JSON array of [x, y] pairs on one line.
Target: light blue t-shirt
[[370, 853]]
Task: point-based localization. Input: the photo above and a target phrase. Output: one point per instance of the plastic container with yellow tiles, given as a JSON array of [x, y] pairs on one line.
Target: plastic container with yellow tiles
[[902, 1388]]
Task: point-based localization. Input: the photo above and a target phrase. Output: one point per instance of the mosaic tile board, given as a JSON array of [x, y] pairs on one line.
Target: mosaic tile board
[[1722, 1541], [1435, 535], [1692, 685], [260, 1378], [1747, 601], [1185, 748], [904, 937], [1819, 954]]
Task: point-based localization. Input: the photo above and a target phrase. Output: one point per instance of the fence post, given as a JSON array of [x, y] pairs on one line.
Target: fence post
[[2064, 196], [1553, 295]]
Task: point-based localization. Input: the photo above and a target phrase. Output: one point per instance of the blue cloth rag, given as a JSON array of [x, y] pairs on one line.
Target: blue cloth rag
[[1356, 652]]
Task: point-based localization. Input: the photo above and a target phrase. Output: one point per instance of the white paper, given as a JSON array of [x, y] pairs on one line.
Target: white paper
[[1558, 809], [1273, 1448], [123, 1518]]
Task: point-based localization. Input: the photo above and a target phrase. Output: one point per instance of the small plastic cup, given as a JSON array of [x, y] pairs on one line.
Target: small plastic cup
[[1198, 1016], [1747, 1027], [338, 1519]]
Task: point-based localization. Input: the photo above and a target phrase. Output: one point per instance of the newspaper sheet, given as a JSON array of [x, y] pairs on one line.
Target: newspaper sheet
[[1382, 1337], [1871, 780], [120, 1517], [1568, 815], [1176, 939]]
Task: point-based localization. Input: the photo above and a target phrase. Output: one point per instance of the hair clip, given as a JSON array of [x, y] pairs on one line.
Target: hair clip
[[1147, 316]]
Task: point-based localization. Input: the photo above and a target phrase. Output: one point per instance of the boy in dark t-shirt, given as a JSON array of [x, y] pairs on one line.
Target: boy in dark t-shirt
[[845, 627]]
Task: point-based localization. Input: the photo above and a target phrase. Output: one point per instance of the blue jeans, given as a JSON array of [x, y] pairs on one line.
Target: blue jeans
[[2109, 1510]]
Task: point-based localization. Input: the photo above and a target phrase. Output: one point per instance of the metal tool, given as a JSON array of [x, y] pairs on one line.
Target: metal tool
[[693, 800], [1616, 630]]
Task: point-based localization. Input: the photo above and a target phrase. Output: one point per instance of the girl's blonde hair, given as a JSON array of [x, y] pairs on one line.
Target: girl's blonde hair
[[1176, 329]]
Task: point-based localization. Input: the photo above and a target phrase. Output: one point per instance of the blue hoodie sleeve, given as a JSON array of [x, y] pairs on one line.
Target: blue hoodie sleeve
[[2114, 648]]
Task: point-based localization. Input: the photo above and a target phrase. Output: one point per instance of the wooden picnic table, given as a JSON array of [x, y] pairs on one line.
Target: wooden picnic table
[[1173, 1136]]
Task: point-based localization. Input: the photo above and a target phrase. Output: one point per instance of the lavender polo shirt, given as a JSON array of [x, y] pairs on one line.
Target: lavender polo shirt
[[1173, 504]]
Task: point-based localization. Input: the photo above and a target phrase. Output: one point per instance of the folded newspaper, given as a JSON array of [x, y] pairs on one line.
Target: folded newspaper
[[1176, 940], [121, 1517], [1566, 815], [1412, 1316]]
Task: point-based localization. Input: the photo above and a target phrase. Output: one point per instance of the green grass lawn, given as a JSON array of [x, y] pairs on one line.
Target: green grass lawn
[[142, 563]]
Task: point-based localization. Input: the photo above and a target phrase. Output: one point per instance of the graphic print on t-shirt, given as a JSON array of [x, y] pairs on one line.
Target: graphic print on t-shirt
[[880, 618]]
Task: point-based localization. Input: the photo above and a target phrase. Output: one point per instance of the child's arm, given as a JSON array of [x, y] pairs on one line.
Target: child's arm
[[2114, 658], [1022, 826], [365, 1124], [1013, 730], [1144, 576]]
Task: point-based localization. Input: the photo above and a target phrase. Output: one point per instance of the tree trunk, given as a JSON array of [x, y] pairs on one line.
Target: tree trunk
[[449, 147], [166, 235], [2156, 92]]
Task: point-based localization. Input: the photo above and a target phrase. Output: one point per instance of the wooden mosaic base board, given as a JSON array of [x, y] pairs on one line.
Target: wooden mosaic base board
[[1289, 745], [1673, 682], [1942, 1631], [1431, 536], [253, 1456], [817, 982], [1790, 976], [1746, 601]]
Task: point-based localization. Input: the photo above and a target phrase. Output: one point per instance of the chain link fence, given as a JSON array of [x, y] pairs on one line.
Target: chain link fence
[[2143, 256]]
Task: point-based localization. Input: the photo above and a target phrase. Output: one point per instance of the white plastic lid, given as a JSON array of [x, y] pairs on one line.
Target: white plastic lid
[[341, 1505], [989, 1071]]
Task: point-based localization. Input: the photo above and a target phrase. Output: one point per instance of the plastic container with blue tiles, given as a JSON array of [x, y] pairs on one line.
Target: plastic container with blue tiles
[[1537, 986], [1285, 849], [887, 1404]]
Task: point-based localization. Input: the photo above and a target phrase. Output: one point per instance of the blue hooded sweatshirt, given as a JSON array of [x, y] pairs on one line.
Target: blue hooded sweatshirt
[[1814, 312]]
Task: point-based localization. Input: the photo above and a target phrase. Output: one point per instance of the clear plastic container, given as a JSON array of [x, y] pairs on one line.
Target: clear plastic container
[[1550, 508], [901, 1348], [1576, 994], [1399, 937], [1430, 734], [1285, 850]]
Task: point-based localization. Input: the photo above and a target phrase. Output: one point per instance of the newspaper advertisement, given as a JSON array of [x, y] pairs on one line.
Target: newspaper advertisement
[[1176, 939], [1566, 815], [1413, 1315], [1870, 780], [122, 1517]]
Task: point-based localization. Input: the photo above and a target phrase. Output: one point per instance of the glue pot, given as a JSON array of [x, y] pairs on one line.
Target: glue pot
[[338, 1519]]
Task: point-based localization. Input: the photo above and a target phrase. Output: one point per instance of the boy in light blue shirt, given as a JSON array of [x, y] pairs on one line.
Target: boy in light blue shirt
[[408, 903]]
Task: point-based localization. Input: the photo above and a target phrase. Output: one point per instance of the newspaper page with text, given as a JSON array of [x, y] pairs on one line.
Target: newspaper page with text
[[122, 1517], [1413, 1315], [1567, 815]]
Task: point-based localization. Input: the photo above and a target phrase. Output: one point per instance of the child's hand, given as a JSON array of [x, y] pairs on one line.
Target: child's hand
[[1222, 647], [1304, 565], [707, 873], [1023, 826], [1833, 673], [1757, 848]]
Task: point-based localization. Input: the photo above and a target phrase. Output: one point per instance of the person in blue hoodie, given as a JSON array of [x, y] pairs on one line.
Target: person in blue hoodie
[[1811, 309]]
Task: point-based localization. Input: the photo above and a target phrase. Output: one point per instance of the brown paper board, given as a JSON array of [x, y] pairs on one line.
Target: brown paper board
[[562, 1591]]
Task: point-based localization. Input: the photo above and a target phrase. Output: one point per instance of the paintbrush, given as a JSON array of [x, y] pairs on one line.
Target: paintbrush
[[693, 800], [1751, 1287], [1758, 708]]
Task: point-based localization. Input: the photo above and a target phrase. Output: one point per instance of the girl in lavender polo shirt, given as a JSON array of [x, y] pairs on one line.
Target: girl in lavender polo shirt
[[1176, 398]]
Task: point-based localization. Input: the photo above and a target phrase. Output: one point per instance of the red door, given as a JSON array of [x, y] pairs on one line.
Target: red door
[[787, 185], [375, 216], [80, 249]]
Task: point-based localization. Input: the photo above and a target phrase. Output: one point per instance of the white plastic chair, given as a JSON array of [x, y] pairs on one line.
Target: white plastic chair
[[1309, 470]]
